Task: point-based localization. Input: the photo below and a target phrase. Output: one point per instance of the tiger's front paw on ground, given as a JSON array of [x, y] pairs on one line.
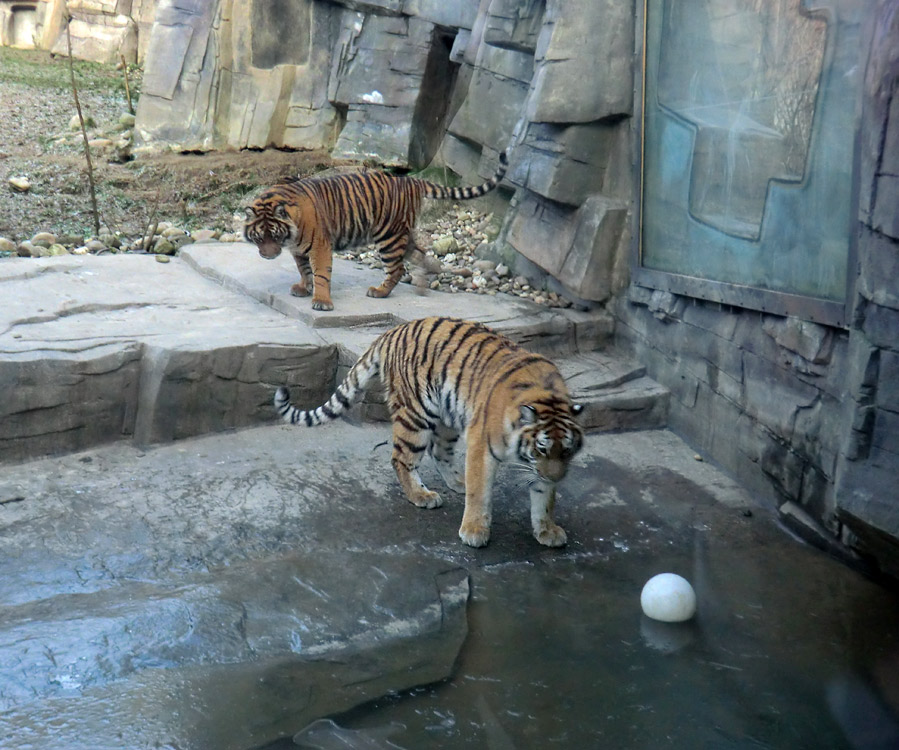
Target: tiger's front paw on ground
[[376, 291], [551, 535], [322, 305], [426, 499], [298, 290], [474, 534]]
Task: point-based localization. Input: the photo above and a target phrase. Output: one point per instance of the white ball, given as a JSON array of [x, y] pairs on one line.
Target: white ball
[[668, 597]]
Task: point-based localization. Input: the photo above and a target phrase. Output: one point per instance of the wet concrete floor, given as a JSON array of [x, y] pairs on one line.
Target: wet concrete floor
[[189, 569], [789, 649]]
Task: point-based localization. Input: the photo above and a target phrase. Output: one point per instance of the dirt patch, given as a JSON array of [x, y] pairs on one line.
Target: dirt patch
[[38, 142]]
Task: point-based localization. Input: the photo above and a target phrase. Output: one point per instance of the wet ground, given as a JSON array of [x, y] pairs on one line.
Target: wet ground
[[789, 649]]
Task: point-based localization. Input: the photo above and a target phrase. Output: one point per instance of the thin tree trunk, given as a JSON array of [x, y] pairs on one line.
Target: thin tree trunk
[[87, 149]]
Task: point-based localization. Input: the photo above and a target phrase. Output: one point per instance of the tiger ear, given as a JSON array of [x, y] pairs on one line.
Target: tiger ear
[[577, 409], [527, 414], [250, 213]]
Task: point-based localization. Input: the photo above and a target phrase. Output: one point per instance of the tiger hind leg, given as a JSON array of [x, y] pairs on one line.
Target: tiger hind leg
[[442, 450], [408, 447], [393, 252], [303, 288]]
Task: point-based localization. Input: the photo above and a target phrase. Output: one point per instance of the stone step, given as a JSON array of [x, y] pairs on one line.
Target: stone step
[[100, 349], [237, 266], [615, 391]]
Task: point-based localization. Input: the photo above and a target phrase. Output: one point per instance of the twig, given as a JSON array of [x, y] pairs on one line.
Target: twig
[[87, 149], [127, 87]]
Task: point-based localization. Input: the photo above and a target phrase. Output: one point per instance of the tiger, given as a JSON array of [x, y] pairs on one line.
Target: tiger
[[447, 378], [313, 216]]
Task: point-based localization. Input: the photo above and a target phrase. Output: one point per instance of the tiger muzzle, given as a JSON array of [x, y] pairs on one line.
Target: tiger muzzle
[[552, 469], [269, 249]]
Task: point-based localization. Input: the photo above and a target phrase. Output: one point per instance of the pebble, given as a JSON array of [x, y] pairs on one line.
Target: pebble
[[19, 184], [44, 238], [7, 246]]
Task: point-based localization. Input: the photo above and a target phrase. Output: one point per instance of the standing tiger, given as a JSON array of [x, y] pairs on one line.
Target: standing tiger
[[445, 377], [310, 217]]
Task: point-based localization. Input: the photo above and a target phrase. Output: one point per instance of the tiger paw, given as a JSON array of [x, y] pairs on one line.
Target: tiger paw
[[377, 291], [551, 535], [322, 305], [474, 534], [299, 290], [426, 499]]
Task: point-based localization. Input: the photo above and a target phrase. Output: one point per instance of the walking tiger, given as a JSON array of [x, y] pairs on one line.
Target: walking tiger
[[447, 378], [313, 216]]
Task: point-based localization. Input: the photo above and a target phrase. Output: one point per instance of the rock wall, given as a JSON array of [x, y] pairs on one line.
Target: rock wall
[[101, 30], [411, 82], [804, 414]]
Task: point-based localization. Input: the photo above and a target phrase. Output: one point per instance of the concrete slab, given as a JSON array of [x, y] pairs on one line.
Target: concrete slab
[[93, 349], [225, 591], [228, 590], [237, 266]]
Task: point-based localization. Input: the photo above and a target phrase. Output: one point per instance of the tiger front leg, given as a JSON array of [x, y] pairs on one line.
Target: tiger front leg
[[320, 260], [543, 501], [393, 252], [307, 281], [480, 468]]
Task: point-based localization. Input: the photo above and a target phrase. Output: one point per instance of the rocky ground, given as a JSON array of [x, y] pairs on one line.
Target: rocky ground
[[155, 202]]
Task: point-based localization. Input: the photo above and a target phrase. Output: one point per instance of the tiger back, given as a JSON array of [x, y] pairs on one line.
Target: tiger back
[[312, 217], [448, 379]]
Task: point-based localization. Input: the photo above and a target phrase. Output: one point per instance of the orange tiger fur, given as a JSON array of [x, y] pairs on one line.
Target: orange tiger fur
[[311, 217], [445, 378]]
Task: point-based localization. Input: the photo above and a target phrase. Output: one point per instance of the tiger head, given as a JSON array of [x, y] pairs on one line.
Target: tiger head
[[268, 225], [549, 438]]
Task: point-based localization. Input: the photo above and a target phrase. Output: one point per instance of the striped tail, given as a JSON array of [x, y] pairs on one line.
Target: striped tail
[[341, 400], [433, 190]]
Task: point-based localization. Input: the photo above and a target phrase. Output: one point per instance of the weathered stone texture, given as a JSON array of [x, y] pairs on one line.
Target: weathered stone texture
[[754, 390], [797, 410]]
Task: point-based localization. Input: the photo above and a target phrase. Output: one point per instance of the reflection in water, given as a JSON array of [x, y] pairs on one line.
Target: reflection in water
[[559, 652], [325, 734]]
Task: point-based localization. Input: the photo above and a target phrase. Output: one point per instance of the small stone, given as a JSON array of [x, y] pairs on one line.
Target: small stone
[[445, 245], [19, 184], [26, 250], [697, 457], [95, 246], [485, 266], [205, 235], [540, 299], [502, 270], [435, 284], [126, 120], [7, 246], [44, 239], [99, 143], [162, 259], [164, 247], [170, 232], [57, 249], [80, 250], [520, 281], [479, 282]]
